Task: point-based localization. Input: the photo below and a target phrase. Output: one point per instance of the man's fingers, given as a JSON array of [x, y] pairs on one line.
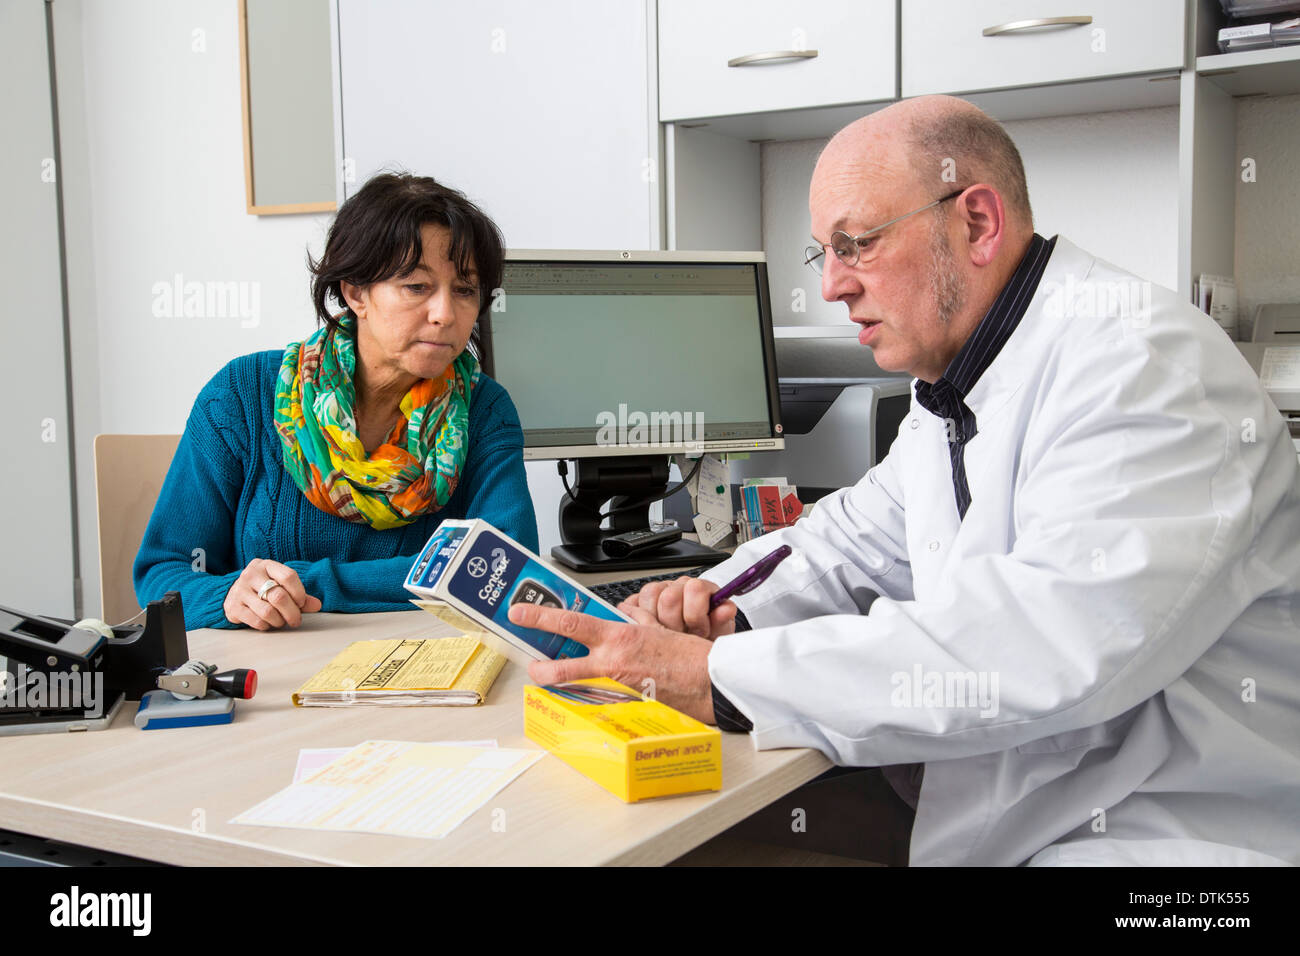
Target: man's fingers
[[572, 668], [583, 628], [641, 615], [669, 608], [312, 606], [722, 620], [695, 606], [648, 596]]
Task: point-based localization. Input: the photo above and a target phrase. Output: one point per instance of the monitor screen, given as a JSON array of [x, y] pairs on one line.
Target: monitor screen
[[605, 355]]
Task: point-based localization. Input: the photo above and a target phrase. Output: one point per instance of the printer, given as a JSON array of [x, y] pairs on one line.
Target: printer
[[1274, 353], [840, 413]]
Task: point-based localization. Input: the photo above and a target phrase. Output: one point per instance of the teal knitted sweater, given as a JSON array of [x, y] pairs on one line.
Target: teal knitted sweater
[[227, 500]]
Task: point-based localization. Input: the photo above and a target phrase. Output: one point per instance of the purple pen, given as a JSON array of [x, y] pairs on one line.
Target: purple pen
[[751, 577]]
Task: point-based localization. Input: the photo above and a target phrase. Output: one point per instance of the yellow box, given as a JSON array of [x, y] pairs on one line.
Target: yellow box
[[635, 749]]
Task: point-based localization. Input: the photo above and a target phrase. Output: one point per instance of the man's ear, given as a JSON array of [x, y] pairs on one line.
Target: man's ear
[[985, 222], [357, 298]]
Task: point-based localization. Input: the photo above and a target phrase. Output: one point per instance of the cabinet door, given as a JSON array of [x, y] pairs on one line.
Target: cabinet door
[[945, 50], [537, 111], [854, 63]]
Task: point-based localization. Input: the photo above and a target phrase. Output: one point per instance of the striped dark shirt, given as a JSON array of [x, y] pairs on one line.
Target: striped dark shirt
[[946, 397]]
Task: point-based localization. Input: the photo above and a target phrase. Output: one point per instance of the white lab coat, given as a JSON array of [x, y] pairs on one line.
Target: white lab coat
[[1127, 573]]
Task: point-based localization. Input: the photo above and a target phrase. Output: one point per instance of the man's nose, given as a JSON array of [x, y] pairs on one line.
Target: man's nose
[[838, 280]]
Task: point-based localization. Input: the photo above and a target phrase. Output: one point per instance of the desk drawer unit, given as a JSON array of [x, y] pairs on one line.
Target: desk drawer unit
[[782, 55], [991, 44]]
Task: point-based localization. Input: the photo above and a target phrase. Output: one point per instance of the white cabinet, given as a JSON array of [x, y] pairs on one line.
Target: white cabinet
[[540, 112], [993, 44], [725, 57]]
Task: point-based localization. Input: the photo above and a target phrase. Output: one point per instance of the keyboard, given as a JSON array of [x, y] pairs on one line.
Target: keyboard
[[615, 592]]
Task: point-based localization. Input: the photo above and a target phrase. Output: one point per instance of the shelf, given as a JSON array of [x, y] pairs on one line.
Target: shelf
[[1063, 99], [1274, 72]]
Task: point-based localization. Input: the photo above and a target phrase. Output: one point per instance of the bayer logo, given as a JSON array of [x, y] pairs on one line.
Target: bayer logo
[[477, 567]]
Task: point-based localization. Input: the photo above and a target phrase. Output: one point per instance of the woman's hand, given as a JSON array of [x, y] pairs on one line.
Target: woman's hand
[[683, 605], [281, 605]]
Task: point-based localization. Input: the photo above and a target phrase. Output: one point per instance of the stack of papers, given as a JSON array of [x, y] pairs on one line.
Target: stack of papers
[[439, 671], [1259, 36]]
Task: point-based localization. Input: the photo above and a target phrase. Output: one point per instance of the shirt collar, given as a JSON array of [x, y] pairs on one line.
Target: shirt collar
[[994, 329]]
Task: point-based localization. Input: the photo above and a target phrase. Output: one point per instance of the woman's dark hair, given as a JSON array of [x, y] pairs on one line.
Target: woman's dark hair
[[376, 236]]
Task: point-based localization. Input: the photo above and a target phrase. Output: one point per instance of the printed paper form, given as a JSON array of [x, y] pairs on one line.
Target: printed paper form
[[714, 495], [395, 664], [1280, 367], [394, 788], [311, 759], [448, 670]]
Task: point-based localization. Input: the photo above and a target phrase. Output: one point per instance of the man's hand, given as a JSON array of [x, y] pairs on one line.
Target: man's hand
[[683, 605], [283, 605], [667, 665]]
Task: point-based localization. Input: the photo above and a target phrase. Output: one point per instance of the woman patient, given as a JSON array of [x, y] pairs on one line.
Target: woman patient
[[308, 479]]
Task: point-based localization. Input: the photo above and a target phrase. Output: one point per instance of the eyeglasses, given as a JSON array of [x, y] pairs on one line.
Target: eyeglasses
[[848, 248]]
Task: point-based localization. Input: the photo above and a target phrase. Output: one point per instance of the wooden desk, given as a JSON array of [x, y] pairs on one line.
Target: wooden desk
[[167, 795]]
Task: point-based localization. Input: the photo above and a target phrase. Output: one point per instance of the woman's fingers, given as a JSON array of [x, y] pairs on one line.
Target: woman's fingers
[[288, 579], [278, 606], [281, 600]]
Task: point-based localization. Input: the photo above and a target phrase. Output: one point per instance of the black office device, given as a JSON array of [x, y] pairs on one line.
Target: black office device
[[61, 677], [640, 542]]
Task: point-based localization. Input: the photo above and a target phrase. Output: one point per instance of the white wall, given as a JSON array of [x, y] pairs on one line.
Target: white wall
[[1106, 181], [1268, 227], [167, 198], [153, 153]]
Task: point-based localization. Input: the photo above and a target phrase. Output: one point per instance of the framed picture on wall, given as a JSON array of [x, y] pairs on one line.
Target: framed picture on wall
[[286, 57]]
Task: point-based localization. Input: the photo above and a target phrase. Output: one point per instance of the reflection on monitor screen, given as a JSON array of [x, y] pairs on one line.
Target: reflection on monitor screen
[[619, 359], [604, 356]]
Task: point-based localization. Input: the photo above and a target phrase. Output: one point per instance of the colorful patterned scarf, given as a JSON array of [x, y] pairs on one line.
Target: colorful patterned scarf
[[416, 469]]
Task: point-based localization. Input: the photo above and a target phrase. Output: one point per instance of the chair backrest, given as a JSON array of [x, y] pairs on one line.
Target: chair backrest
[[129, 473]]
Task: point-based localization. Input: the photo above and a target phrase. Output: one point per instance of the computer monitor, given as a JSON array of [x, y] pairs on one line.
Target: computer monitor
[[620, 359]]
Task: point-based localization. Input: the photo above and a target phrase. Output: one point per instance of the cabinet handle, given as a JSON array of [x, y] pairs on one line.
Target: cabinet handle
[[773, 56], [1015, 26]]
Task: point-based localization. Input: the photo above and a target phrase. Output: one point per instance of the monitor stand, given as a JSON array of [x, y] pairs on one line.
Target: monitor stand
[[604, 483]]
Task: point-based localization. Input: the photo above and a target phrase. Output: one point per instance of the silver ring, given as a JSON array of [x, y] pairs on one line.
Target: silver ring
[[270, 585]]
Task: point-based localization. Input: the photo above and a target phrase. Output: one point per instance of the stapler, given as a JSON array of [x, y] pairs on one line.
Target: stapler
[[61, 677]]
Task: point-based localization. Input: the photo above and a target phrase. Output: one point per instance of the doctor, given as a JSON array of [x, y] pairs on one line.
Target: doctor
[[1070, 591]]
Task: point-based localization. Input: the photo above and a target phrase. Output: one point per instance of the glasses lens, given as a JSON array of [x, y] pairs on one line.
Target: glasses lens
[[845, 249], [812, 257]]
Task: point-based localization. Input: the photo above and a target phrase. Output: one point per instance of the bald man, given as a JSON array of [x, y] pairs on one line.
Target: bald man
[[1063, 610]]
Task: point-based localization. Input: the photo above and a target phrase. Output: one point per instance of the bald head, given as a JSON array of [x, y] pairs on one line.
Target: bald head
[[916, 271], [930, 145]]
